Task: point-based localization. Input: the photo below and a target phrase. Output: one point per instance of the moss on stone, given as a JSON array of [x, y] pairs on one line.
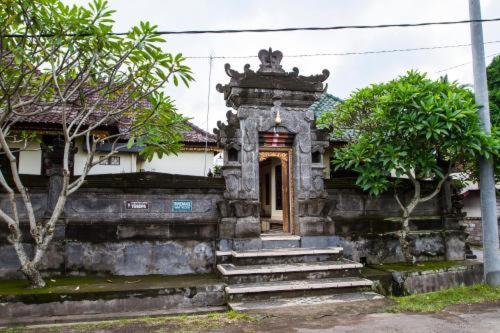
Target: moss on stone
[[419, 266], [93, 284]]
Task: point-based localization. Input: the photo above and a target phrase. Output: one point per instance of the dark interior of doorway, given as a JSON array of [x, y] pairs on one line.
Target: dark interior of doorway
[[270, 176]]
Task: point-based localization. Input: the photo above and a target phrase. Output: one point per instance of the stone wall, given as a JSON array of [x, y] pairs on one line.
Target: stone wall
[[474, 228], [472, 207], [99, 234], [367, 227]]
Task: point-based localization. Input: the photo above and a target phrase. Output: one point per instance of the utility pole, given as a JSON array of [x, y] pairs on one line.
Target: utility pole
[[486, 171]]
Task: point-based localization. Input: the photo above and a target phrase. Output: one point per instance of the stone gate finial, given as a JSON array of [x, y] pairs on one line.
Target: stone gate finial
[[270, 61]]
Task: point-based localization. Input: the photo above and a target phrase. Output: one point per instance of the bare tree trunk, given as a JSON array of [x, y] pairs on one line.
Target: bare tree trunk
[[410, 207], [404, 241], [33, 275]]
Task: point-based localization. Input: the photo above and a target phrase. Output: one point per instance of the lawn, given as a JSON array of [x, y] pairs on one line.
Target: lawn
[[437, 301]]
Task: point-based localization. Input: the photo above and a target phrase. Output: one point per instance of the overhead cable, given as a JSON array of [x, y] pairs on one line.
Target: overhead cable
[[232, 31], [349, 53]]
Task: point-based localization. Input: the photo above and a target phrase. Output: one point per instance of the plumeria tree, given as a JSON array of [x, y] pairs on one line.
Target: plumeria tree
[[65, 61], [410, 128]]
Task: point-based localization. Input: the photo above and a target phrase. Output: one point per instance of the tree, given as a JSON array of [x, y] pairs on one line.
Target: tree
[[493, 73], [64, 60], [411, 127]]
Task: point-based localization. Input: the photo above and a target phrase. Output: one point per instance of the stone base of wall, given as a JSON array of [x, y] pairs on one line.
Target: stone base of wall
[[385, 248], [173, 257], [14, 309], [399, 283]]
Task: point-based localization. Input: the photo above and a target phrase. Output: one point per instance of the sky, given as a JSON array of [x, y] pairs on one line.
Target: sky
[[347, 73]]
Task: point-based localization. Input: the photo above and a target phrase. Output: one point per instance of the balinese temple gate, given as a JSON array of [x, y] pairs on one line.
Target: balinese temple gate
[[272, 130]]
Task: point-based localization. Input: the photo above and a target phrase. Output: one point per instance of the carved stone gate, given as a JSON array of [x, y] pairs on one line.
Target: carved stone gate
[[271, 115]]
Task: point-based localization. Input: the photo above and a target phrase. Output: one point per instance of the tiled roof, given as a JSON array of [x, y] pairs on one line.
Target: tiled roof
[[328, 102], [325, 103], [198, 135], [194, 135]]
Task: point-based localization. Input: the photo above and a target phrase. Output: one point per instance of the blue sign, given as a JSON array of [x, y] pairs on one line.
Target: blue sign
[[182, 205]]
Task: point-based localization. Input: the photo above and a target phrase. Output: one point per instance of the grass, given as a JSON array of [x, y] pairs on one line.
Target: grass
[[419, 266], [437, 301], [69, 285], [180, 323]]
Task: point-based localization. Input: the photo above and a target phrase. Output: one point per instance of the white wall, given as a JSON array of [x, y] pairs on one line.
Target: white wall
[[472, 204], [185, 163], [128, 163], [30, 159], [275, 214]]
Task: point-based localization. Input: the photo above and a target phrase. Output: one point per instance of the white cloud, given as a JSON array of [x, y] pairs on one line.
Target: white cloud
[[347, 73]]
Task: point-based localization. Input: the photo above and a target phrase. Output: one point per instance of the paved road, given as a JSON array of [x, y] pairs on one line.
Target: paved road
[[361, 317], [445, 322], [476, 318]]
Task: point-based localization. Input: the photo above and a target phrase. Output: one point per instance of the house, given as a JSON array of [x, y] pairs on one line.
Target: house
[[472, 208], [195, 158]]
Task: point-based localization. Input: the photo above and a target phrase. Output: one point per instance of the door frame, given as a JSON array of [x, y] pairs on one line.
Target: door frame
[[285, 156]]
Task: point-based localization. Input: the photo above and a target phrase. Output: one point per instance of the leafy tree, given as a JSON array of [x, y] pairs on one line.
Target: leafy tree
[[493, 73], [411, 127], [64, 59]]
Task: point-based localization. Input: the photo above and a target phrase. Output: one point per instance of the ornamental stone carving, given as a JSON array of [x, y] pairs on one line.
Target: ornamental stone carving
[[271, 100]]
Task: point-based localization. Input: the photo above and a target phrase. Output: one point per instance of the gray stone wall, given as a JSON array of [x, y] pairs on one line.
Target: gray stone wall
[[367, 227], [98, 234]]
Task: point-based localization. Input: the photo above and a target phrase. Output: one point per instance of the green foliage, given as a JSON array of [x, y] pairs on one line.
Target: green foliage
[[437, 301], [410, 126], [493, 73], [66, 54]]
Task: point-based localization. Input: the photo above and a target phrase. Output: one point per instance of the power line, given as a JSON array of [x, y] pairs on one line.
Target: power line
[[347, 53], [232, 31], [463, 64], [338, 27]]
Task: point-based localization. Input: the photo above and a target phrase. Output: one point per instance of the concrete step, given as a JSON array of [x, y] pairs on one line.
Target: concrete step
[[223, 257], [295, 288], [280, 241], [234, 274], [255, 306], [285, 256]]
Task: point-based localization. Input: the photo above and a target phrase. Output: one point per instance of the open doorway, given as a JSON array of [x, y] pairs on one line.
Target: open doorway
[[274, 199]]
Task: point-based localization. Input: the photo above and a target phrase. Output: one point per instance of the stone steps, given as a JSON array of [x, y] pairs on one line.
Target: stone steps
[[234, 274], [268, 304], [289, 275], [282, 256], [280, 241], [295, 288]]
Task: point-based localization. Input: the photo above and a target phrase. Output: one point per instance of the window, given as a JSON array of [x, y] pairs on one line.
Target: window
[[112, 160]]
